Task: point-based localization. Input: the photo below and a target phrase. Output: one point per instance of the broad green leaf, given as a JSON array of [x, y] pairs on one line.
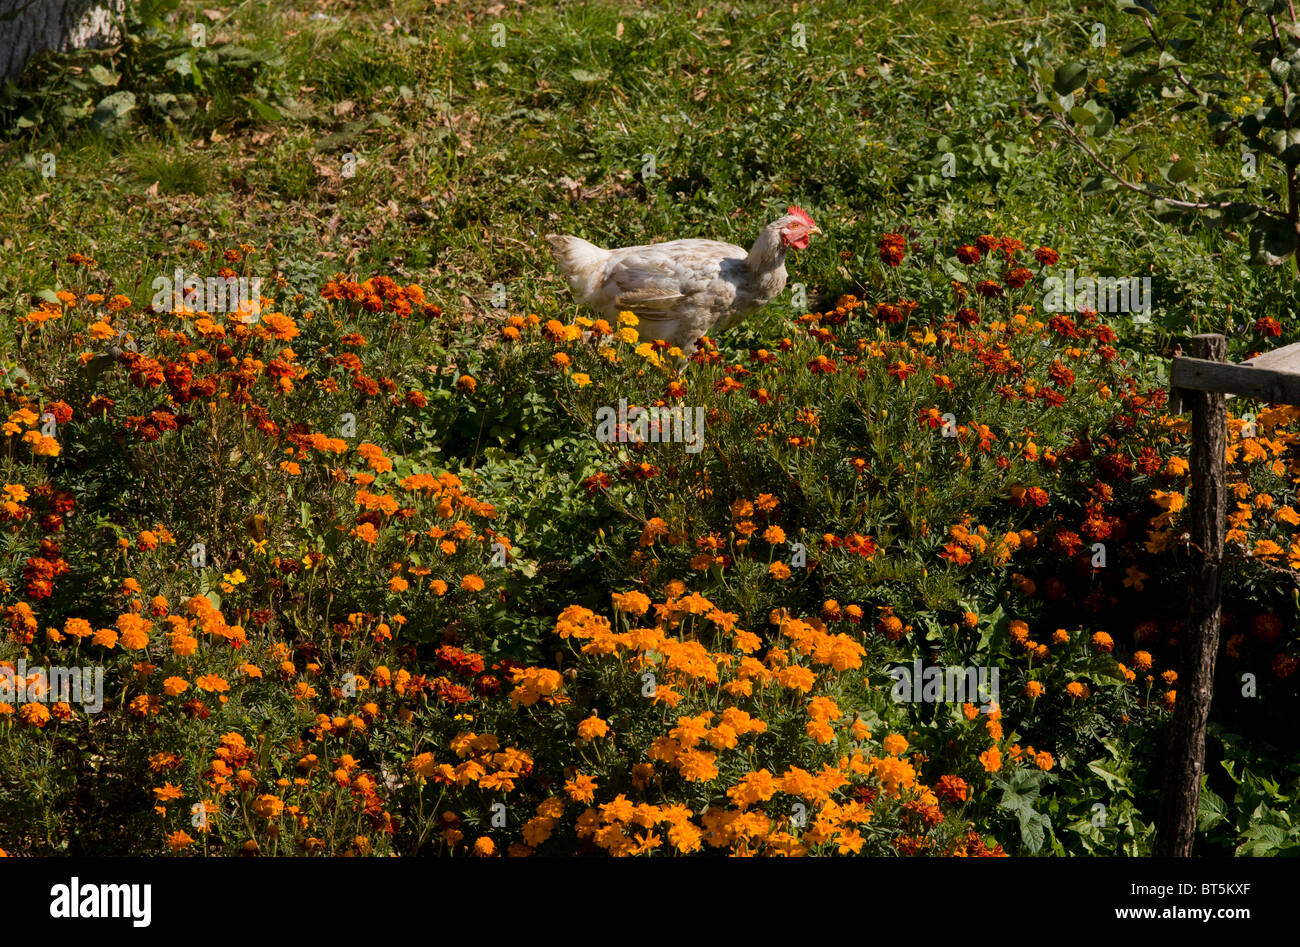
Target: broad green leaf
[[1180, 170], [1069, 77]]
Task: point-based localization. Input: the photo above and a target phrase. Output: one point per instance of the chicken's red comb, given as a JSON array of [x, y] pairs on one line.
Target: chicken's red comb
[[795, 211]]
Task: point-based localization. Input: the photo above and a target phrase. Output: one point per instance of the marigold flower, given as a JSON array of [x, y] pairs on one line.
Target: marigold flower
[[991, 759], [894, 744]]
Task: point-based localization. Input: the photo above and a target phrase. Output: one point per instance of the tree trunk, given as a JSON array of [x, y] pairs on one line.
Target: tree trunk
[[28, 27], [1185, 761]]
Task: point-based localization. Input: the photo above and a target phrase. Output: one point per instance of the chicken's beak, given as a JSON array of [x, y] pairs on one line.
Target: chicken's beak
[[815, 229]]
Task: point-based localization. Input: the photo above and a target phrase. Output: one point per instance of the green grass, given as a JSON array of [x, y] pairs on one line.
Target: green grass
[[467, 151]]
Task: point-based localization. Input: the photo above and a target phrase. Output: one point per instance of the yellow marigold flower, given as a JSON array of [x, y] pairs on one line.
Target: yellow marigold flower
[[168, 793], [212, 682], [823, 708], [796, 678], [175, 685], [592, 728], [634, 603], [697, 765], [581, 788], [894, 744], [820, 731], [279, 326], [34, 714], [134, 631], [991, 759]]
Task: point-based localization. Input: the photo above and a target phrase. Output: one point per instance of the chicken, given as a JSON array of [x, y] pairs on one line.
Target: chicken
[[683, 290]]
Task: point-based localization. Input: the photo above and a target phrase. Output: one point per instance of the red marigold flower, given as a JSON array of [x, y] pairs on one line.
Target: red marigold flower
[[1067, 543], [1267, 325], [892, 247], [952, 788], [1017, 276], [600, 481], [955, 554]]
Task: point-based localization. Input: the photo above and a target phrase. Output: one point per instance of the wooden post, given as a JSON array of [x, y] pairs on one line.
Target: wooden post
[[1185, 761]]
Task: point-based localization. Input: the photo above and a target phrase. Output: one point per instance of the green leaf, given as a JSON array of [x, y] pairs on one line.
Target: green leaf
[[102, 76], [111, 112], [1113, 773], [181, 65], [1210, 811], [261, 109], [1179, 171], [1099, 184], [1069, 77], [1273, 240], [1261, 839], [1033, 829], [954, 270], [1105, 122]]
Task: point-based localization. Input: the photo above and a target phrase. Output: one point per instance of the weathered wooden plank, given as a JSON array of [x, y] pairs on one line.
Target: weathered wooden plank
[[1185, 761], [1262, 384], [1285, 359]]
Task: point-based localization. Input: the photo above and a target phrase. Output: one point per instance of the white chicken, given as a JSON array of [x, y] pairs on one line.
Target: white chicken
[[683, 290]]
